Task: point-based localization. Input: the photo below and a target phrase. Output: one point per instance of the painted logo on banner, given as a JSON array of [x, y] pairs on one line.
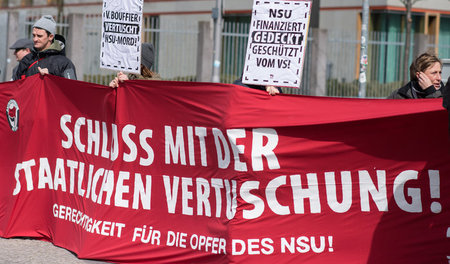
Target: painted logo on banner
[[121, 35], [12, 114], [277, 43]]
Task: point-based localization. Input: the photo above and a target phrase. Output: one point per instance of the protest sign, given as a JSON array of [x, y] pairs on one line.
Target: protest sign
[[178, 172], [277, 43], [121, 35]]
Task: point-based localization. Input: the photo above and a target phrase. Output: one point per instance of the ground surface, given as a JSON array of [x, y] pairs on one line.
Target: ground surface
[[30, 251]]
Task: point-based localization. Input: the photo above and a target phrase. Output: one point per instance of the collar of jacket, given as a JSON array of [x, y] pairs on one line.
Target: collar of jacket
[[413, 90], [55, 48], [429, 92]]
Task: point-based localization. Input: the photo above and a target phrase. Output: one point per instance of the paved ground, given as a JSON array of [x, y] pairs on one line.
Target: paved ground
[[30, 251]]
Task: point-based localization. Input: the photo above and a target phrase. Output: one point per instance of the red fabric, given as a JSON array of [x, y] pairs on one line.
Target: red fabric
[[318, 180]]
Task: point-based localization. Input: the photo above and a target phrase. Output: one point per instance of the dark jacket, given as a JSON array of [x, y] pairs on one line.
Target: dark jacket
[[446, 95], [446, 100], [412, 90], [54, 59]]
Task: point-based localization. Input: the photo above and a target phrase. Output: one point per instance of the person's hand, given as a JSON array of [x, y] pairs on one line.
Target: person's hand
[[122, 76], [424, 81], [114, 83], [43, 71], [272, 90]]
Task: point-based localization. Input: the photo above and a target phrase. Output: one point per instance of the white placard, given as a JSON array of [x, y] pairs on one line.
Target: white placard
[[121, 35], [277, 43]]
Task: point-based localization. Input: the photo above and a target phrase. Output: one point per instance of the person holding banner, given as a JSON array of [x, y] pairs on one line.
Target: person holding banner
[[147, 59], [426, 80], [48, 55]]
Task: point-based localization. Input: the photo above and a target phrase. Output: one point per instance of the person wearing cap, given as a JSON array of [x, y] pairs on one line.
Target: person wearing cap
[[21, 47], [48, 55], [147, 59]]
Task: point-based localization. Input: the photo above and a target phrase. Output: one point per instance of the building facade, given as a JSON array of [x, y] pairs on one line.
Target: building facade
[[430, 29]]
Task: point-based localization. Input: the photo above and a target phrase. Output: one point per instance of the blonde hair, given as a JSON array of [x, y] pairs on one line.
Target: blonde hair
[[421, 63], [146, 72]]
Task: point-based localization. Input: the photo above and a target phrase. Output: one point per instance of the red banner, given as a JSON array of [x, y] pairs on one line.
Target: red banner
[[173, 172]]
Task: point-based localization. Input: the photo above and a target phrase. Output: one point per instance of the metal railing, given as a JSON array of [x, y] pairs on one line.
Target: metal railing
[[176, 55]]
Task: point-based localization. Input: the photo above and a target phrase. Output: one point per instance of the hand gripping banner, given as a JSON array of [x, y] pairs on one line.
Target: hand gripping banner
[[177, 172]]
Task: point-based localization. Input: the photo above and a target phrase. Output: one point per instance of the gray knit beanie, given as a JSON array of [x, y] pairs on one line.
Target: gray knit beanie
[[147, 55], [46, 22]]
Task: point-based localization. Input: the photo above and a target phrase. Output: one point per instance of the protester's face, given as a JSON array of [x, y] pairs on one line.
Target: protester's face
[[41, 40], [434, 74], [20, 53]]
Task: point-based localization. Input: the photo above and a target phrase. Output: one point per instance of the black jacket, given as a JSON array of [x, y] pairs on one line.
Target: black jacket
[[446, 95], [412, 90], [54, 59]]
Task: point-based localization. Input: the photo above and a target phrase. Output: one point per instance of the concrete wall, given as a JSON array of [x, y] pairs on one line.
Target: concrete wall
[[175, 43], [3, 46], [154, 6], [342, 20], [13, 25], [202, 6]]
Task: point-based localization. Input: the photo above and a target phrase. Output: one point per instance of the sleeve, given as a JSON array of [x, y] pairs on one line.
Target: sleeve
[[21, 70], [69, 71], [446, 95]]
